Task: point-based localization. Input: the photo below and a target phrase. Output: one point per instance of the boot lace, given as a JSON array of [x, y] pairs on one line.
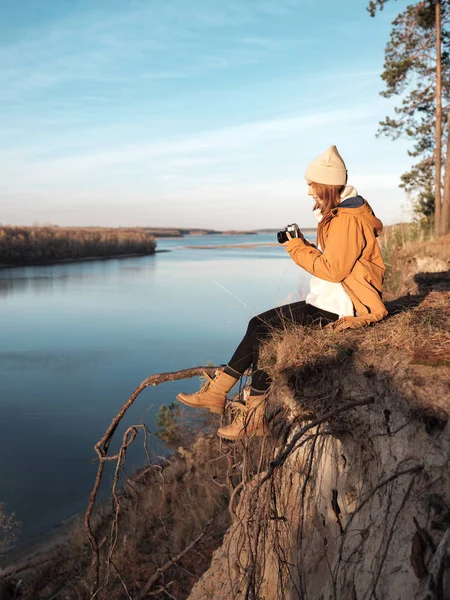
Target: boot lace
[[238, 413], [206, 382]]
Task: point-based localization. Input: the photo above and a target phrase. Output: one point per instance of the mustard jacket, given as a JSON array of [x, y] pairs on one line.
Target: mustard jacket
[[351, 256]]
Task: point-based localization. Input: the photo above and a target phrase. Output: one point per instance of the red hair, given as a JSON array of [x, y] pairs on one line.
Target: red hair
[[330, 195]]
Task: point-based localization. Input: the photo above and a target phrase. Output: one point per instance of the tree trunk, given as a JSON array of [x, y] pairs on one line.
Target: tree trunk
[[445, 220], [438, 152]]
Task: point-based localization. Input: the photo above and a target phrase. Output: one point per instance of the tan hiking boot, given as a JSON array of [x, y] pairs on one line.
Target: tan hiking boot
[[248, 419], [212, 395]]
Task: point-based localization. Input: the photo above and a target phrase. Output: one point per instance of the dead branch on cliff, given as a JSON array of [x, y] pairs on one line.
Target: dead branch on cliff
[[147, 587], [296, 442], [101, 449]]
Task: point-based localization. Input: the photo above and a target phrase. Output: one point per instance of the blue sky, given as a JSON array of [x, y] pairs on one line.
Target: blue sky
[[199, 113]]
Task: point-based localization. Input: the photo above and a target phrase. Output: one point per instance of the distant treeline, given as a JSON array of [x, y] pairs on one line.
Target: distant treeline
[[43, 245], [180, 232], [177, 232]]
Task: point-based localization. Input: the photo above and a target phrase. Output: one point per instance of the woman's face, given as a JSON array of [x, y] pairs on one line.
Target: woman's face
[[312, 192]]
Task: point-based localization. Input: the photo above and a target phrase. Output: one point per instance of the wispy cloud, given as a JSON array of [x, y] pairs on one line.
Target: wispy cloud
[[94, 45], [219, 140]]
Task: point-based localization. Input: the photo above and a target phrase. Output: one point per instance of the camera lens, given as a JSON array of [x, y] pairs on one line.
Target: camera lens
[[282, 237]]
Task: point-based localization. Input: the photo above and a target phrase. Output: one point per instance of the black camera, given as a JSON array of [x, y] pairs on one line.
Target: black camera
[[294, 232]]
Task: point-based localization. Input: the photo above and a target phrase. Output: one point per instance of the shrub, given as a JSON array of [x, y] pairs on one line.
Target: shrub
[[9, 529]]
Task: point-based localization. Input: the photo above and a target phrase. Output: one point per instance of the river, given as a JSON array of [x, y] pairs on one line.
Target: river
[[76, 339]]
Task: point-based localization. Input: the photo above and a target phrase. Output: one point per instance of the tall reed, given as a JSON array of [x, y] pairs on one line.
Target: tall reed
[[42, 245]]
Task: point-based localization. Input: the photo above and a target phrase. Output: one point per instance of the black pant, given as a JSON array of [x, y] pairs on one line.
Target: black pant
[[260, 328]]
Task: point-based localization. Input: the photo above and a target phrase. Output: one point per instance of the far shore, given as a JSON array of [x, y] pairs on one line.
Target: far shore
[[249, 246], [63, 261]]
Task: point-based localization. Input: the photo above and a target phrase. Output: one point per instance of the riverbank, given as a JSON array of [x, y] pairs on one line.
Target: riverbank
[[349, 495], [28, 246]]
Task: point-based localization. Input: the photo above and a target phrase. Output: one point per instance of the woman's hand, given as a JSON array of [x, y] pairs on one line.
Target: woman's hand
[[289, 238]]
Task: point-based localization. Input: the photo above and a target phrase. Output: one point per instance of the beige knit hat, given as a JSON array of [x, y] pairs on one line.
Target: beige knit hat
[[328, 168]]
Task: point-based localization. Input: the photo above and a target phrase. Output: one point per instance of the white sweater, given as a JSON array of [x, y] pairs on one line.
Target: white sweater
[[327, 295]]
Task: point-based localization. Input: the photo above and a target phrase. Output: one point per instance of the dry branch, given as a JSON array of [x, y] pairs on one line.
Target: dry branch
[[169, 563], [101, 449]]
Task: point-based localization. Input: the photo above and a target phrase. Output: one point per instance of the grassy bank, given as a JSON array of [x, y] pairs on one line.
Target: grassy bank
[[45, 245], [409, 249]]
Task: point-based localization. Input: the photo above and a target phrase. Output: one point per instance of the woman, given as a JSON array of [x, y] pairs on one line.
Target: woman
[[345, 292]]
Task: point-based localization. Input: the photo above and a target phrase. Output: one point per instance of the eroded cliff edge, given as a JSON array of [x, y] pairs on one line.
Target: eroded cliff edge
[[348, 497]]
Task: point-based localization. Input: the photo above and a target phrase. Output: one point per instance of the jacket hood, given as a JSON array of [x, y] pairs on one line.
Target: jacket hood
[[349, 192], [357, 206], [352, 202]]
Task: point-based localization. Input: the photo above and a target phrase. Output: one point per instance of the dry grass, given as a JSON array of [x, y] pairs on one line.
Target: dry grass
[[402, 234], [416, 332], [163, 508], [437, 248], [42, 245], [411, 331], [408, 249]]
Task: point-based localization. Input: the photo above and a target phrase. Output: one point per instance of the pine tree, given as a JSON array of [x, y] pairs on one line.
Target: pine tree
[[416, 55]]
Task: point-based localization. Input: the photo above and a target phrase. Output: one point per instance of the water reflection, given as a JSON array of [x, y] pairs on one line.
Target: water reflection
[[48, 279], [36, 285]]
